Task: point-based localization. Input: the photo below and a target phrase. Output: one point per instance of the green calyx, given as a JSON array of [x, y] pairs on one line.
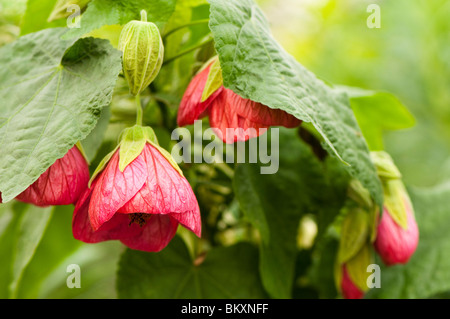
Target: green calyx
[[143, 53], [132, 141], [385, 166], [214, 81], [354, 233]]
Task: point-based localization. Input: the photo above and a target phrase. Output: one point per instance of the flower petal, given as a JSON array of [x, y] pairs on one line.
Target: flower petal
[[165, 192], [114, 188], [191, 107], [155, 235], [228, 124], [116, 228], [349, 289], [61, 184]]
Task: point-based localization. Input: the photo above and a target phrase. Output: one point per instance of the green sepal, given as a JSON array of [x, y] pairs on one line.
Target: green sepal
[[394, 201], [143, 53], [359, 194], [214, 81], [385, 166], [374, 218], [354, 233], [357, 267], [81, 149], [132, 142]]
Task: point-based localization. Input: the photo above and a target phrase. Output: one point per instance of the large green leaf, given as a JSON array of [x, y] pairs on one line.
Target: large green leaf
[[51, 96], [427, 272], [275, 203], [31, 229], [256, 67], [226, 272], [110, 12]]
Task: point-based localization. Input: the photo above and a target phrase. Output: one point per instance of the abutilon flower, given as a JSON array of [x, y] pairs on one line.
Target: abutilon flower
[[348, 288], [138, 196], [244, 118], [396, 244], [397, 232], [61, 184]]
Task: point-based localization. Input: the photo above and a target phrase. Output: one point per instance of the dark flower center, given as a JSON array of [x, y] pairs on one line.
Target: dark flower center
[[138, 218]]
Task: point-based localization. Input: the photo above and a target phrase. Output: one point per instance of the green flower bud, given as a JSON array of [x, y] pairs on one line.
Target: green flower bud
[[143, 53]]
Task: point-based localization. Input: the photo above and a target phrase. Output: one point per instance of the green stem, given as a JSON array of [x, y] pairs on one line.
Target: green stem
[[197, 22], [143, 16], [171, 59], [139, 111]]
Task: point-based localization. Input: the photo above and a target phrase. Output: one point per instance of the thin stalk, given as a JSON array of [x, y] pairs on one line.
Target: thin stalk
[[139, 111], [197, 22], [171, 59]]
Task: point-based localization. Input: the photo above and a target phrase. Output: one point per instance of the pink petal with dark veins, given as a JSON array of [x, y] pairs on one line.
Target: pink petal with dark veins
[[61, 184], [191, 107], [114, 188], [165, 192]]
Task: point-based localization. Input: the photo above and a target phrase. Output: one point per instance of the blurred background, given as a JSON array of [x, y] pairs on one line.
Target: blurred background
[[408, 56]]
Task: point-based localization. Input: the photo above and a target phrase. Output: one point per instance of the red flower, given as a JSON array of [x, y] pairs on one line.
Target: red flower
[[348, 287], [396, 244], [140, 205], [61, 184], [243, 118]]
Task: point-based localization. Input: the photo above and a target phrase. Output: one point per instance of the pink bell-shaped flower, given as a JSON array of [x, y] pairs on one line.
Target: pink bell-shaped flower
[[396, 244], [232, 117], [61, 184]]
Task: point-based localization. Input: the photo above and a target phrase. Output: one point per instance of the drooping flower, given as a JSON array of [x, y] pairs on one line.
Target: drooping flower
[[394, 243], [61, 184], [138, 196], [397, 233], [232, 117]]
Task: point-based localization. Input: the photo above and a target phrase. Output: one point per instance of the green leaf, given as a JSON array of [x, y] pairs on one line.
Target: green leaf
[[275, 203], [110, 12], [225, 272], [377, 112], [30, 230], [426, 274], [51, 96], [36, 15], [256, 67]]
